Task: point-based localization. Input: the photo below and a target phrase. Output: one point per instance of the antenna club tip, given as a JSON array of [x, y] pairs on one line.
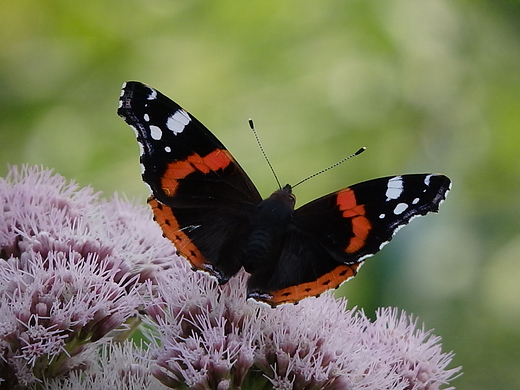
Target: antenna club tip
[[361, 150], [250, 121]]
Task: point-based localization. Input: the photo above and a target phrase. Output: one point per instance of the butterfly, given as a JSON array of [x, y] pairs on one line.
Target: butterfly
[[210, 209]]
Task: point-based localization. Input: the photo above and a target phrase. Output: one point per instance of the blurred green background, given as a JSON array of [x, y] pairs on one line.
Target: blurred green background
[[427, 86]]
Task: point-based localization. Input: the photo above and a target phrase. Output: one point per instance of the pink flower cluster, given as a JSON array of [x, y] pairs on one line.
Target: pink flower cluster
[[69, 270], [78, 274], [209, 337]]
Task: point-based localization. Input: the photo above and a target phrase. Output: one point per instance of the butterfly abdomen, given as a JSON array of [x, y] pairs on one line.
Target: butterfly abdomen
[[260, 249]]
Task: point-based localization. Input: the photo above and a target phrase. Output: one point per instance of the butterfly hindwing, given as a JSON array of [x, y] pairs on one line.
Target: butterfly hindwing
[[210, 238], [201, 196], [304, 268]]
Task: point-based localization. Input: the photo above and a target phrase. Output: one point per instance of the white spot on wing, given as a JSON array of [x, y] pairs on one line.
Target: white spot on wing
[[135, 130], [146, 117], [397, 228], [381, 216], [427, 180], [362, 260], [383, 244], [445, 195], [394, 188], [415, 201], [167, 149], [178, 121], [152, 95], [155, 132], [400, 208], [141, 148]]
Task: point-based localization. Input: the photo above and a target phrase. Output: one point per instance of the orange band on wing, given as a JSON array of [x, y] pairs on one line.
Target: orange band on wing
[[346, 199], [176, 170], [163, 215], [361, 226], [331, 280], [218, 159]]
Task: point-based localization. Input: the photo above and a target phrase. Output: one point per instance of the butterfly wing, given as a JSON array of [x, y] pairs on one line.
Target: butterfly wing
[[305, 268], [201, 197], [330, 237]]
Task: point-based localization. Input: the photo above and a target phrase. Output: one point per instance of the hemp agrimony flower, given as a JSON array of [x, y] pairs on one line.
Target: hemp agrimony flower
[[209, 337], [78, 273], [69, 267]]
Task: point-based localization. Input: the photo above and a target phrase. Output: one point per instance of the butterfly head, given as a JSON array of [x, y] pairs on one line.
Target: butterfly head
[[279, 206], [285, 196], [274, 213]]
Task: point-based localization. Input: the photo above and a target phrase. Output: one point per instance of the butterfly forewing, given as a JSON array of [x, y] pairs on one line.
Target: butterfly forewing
[[359, 220], [201, 197], [181, 159]]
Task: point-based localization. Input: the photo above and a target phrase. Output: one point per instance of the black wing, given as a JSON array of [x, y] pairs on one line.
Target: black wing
[[330, 237], [201, 197]]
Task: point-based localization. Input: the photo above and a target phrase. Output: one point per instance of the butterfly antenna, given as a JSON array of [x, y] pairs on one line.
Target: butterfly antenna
[[252, 126], [361, 150]]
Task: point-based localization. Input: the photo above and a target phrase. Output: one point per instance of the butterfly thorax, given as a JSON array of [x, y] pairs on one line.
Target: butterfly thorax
[[268, 228]]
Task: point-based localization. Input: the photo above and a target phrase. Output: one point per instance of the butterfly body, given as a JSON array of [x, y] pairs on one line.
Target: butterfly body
[[269, 224], [209, 208]]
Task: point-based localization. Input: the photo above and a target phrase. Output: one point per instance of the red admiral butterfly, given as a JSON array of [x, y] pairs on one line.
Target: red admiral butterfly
[[209, 208]]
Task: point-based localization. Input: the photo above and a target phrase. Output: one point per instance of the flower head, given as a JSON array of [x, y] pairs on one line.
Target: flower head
[[210, 337], [69, 271], [43, 212], [117, 366]]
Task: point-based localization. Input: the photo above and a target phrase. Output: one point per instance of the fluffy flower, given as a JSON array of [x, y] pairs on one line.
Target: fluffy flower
[[118, 367], [68, 272], [43, 212], [210, 337], [207, 336]]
